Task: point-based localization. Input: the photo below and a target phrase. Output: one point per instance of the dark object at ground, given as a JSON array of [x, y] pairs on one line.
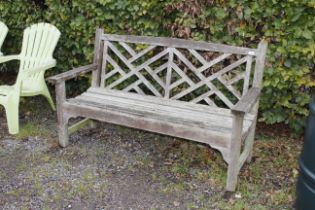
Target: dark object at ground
[[306, 182]]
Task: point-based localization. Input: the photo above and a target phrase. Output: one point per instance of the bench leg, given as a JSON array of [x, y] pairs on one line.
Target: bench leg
[[250, 143], [63, 131], [235, 149], [251, 135], [232, 175], [63, 118]]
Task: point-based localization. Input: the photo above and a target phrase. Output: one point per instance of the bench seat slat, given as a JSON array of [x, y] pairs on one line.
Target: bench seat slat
[[204, 121], [162, 110], [175, 119], [205, 109], [149, 124]]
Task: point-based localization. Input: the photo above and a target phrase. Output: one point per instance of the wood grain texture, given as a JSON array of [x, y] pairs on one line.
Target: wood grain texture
[[179, 43], [62, 116], [247, 102], [72, 73], [97, 59], [169, 73], [260, 64], [169, 85], [234, 152]]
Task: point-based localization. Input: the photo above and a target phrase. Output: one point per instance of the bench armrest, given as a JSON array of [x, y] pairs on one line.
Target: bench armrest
[[247, 102], [72, 73]]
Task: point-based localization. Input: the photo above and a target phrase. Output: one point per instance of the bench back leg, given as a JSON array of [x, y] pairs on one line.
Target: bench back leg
[[235, 149], [96, 74]]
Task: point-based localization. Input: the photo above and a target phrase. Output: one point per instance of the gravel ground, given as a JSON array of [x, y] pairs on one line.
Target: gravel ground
[[113, 167]]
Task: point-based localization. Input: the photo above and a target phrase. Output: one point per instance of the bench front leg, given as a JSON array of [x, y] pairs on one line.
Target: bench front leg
[[235, 150], [251, 136], [63, 118]]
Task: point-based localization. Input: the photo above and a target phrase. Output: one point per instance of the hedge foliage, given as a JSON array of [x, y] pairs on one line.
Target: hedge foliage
[[288, 26]]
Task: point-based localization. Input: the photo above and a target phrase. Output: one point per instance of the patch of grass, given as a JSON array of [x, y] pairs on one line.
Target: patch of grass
[[239, 204], [143, 161], [2, 175], [173, 187], [82, 189], [88, 176], [218, 173], [180, 169], [192, 206], [39, 187], [32, 129], [162, 179], [57, 196], [2, 152], [21, 167], [17, 192]]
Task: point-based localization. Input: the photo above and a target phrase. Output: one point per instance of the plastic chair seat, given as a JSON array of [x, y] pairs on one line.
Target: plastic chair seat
[[5, 90]]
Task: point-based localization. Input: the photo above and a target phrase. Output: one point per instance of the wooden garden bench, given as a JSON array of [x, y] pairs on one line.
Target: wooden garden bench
[[199, 91]]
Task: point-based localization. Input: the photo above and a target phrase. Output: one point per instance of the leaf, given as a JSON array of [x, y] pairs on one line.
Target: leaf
[[307, 34], [220, 13]]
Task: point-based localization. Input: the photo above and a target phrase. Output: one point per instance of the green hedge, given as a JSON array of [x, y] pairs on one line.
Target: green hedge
[[289, 27]]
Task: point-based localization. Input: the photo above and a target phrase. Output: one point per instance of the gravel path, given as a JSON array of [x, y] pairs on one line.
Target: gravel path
[[105, 168], [112, 167]]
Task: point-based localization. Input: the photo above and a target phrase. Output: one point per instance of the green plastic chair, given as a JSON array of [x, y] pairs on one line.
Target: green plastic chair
[[39, 43], [3, 33]]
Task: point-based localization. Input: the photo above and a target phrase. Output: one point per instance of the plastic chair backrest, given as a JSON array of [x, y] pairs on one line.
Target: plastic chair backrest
[[3, 33], [39, 43]]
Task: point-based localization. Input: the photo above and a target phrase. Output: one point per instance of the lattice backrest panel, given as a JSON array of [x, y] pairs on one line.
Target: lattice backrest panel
[[197, 72]]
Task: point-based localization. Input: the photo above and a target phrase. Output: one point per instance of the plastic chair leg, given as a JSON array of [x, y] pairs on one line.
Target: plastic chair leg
[[12, 113], [47, 95]]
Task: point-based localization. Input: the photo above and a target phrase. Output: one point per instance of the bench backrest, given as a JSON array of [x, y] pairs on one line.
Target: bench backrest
[[198, 72]]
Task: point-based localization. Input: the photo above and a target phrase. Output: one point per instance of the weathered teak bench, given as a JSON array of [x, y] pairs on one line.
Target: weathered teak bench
[[193, 90]]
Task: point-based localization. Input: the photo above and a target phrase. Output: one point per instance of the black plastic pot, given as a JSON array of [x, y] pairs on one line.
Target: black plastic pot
[[306, 181]]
